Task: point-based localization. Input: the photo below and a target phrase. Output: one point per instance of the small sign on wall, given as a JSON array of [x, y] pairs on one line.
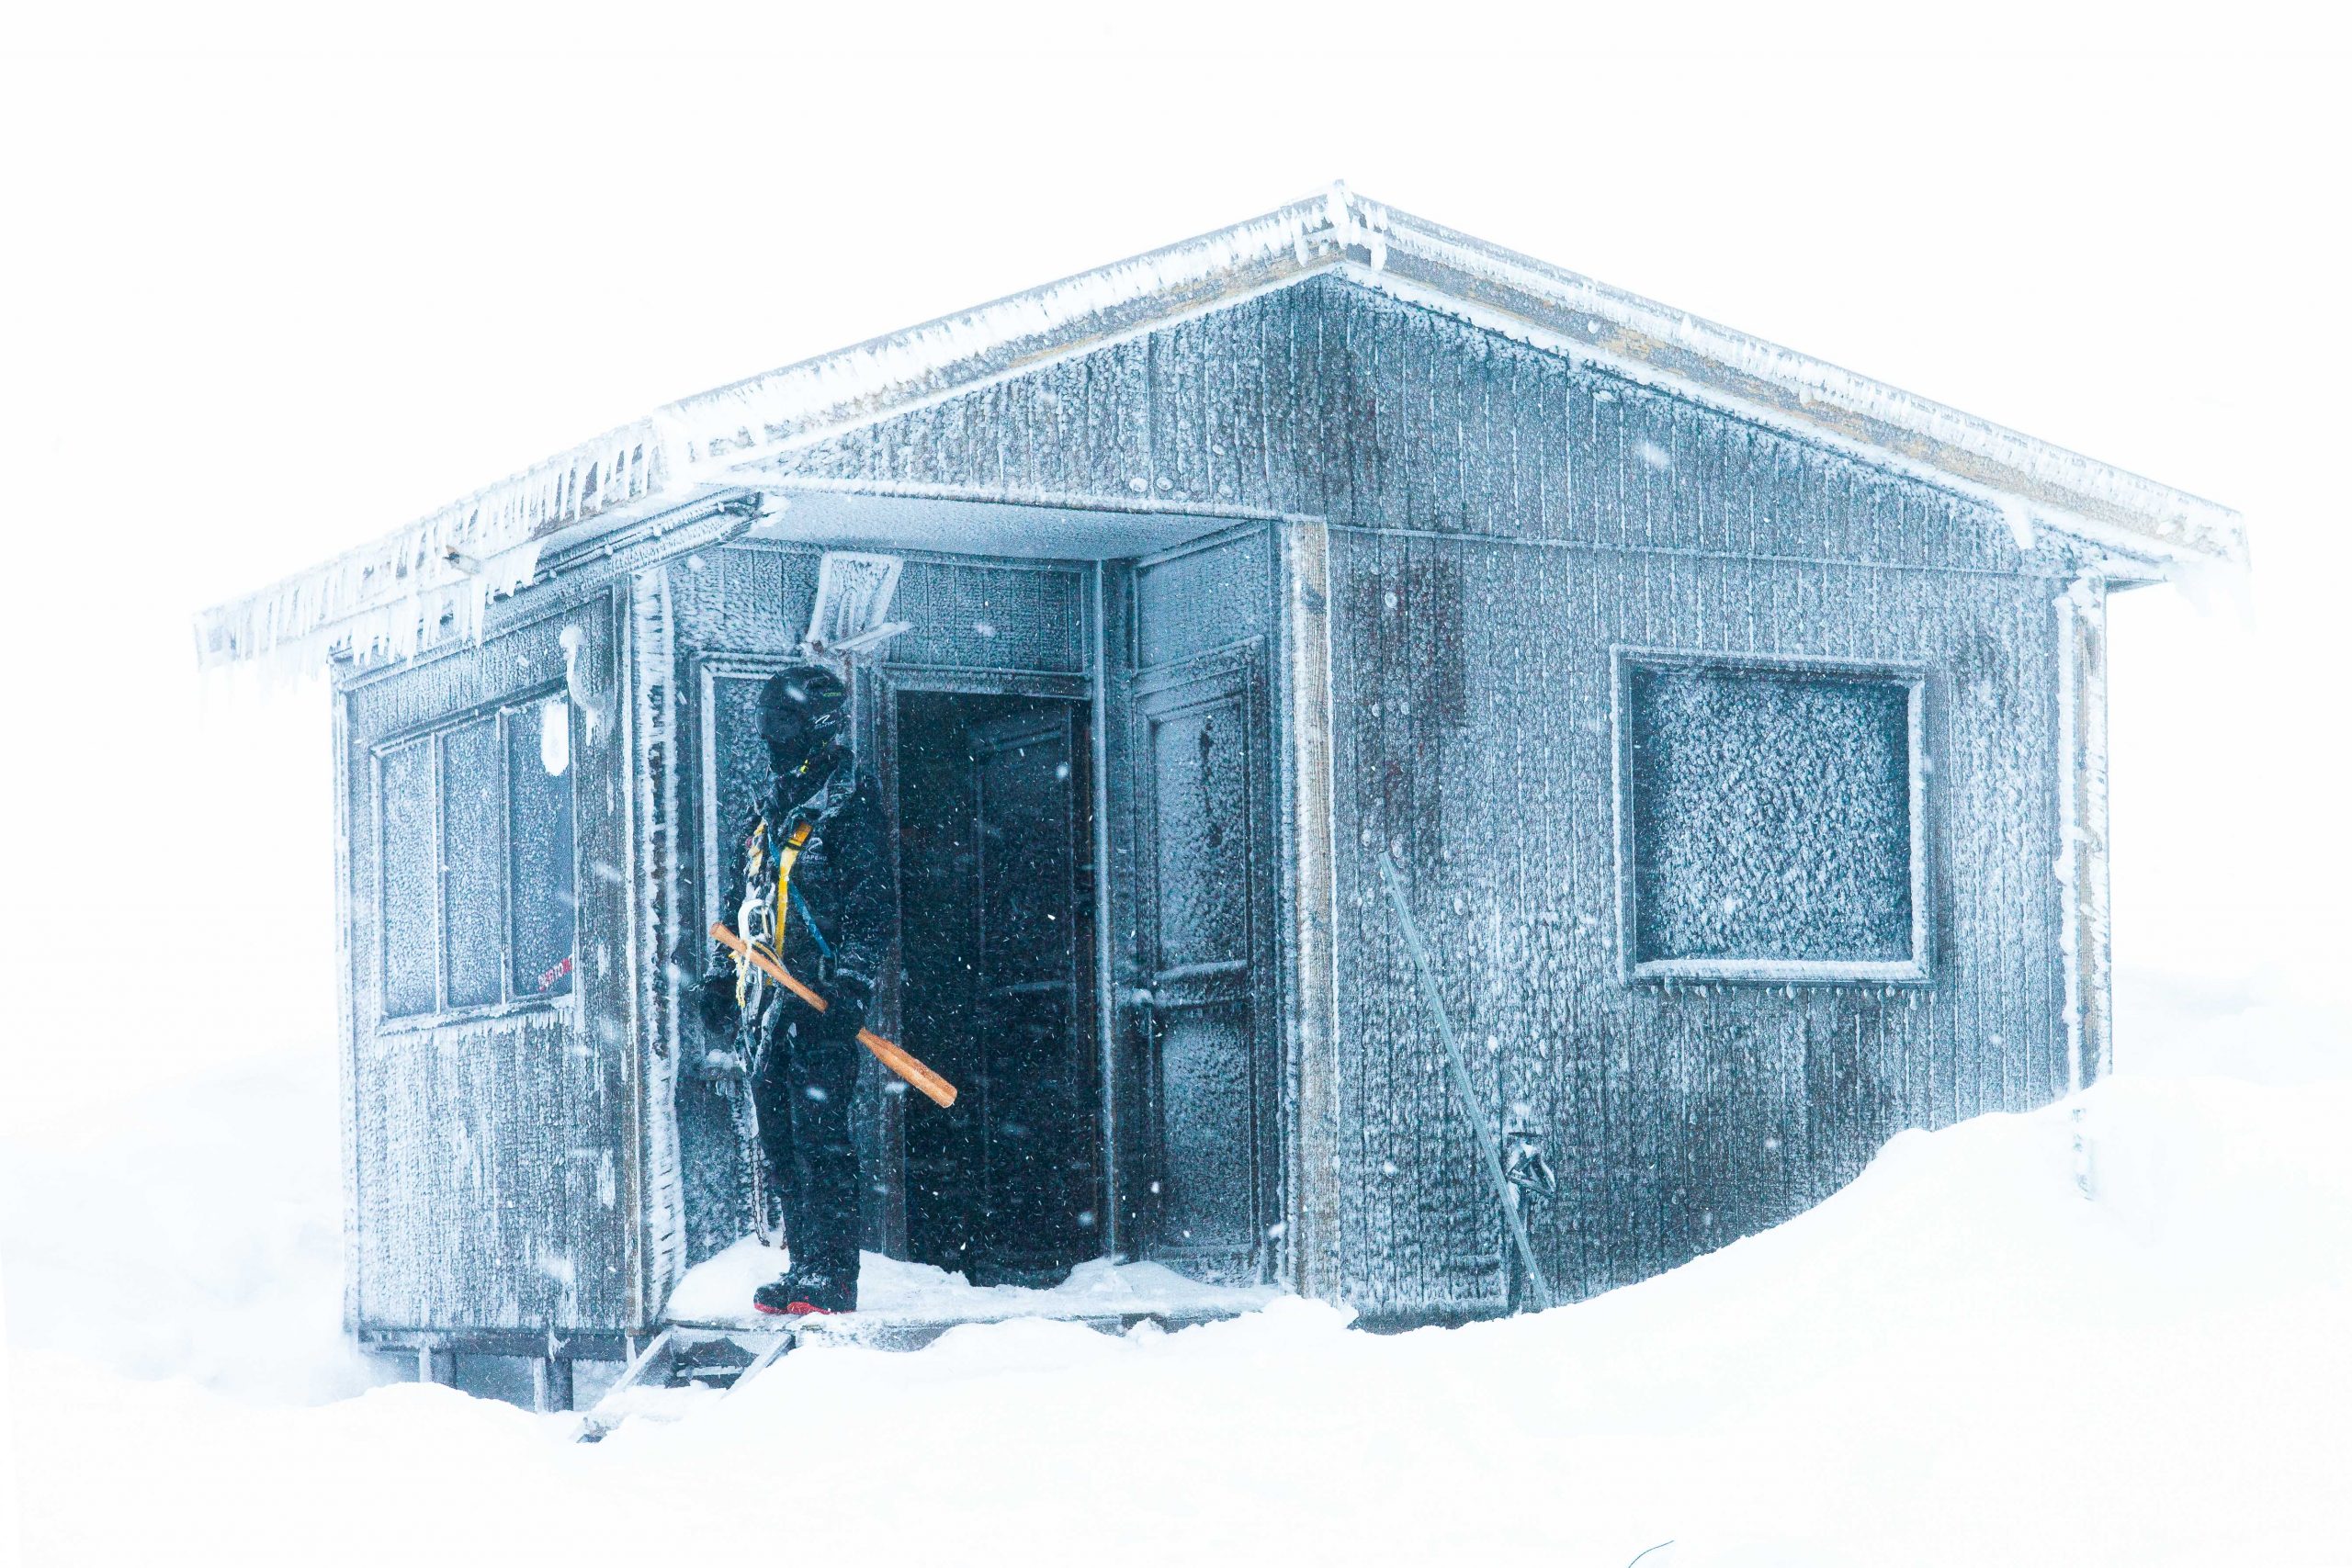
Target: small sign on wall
[[854, 595]]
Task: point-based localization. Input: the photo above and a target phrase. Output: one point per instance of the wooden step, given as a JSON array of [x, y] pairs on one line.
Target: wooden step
[[684, 1369]]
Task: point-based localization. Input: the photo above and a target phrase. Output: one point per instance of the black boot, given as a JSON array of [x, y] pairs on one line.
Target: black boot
[[804, 1290]]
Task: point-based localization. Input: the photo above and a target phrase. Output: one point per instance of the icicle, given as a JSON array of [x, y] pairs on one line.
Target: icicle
[[2020, 523], [581, 681]]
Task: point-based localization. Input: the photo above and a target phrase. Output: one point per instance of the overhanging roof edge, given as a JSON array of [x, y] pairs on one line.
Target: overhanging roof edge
[[1802, 391], [687, 445]]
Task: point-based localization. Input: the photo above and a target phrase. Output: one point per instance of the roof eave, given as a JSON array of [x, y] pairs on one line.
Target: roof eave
[[715, 438], [1569, 313]]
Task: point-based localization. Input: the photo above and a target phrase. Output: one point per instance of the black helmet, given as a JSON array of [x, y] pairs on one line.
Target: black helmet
[[801, 712]]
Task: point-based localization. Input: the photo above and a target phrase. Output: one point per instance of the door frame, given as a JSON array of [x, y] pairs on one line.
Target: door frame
[[1297, 989]]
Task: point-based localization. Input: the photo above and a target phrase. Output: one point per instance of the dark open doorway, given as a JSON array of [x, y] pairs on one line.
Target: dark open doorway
[[997, 942]]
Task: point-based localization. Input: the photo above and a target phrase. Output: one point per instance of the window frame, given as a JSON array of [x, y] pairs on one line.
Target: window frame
[[434, 734], [1917, 969]]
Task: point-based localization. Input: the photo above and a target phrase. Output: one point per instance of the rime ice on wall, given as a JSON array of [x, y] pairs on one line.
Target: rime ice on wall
[[1010, 617], [1767, 814]]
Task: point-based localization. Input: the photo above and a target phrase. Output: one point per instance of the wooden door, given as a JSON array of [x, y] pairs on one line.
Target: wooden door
[[1203, 916]]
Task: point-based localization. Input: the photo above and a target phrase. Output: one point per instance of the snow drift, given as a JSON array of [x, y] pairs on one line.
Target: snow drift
[[2108, 1332]]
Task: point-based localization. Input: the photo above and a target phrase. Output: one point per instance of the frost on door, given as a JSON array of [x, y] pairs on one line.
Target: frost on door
[[1200, 750]]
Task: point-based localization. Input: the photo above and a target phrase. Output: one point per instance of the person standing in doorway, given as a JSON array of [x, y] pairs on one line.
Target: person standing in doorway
[[811, 882]]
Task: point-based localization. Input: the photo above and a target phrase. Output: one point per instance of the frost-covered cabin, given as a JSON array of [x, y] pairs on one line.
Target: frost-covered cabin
[[1737, 722]]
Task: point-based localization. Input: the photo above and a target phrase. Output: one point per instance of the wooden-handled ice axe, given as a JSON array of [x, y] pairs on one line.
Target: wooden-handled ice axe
[[938, 1090]]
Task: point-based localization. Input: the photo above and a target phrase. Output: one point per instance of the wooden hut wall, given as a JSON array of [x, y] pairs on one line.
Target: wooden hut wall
[[491, 1173], [1499, 518], [1677, 1119]]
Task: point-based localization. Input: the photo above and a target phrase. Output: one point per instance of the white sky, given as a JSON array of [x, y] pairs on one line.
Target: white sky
[[272, 283]]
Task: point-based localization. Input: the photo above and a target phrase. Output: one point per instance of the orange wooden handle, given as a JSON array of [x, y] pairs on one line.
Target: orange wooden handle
[[938, 1090]]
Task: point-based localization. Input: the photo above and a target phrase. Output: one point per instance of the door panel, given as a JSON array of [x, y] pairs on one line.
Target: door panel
[[1199, 769], [1036, 1163], [1207, 1203], [1201, 758]]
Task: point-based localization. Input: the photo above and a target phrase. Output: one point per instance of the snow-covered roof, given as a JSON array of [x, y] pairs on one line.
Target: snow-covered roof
[[429, 581]]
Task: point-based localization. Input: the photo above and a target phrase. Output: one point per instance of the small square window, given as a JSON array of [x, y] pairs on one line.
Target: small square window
[[1769, 820]]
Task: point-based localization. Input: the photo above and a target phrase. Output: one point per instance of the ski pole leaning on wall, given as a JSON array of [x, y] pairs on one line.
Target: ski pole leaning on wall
[[1463, 1090]]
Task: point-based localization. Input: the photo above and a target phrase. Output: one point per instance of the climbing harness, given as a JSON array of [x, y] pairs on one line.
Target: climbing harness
[[751, 917], [760, 917], [815, 933], [785, 862]]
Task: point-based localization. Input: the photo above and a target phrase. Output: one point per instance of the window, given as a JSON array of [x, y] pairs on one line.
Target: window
[[1769, 820], [540, 896], [478, 893]]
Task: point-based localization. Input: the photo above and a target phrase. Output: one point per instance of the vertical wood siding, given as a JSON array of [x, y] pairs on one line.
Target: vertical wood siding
[[1680, 1119], [1329, 400]]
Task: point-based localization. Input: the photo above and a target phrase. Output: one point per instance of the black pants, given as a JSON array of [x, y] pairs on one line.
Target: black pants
[[803, 1098]]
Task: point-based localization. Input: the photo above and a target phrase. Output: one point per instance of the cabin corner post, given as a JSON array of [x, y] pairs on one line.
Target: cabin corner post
[[2086, 933], [1113, 923], [346, 1001], [658, 1233], [1307, 938]]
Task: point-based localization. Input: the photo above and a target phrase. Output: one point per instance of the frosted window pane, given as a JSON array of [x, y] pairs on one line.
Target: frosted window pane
[[404, 824], [1770, 815], [539, 859], [471, 914]]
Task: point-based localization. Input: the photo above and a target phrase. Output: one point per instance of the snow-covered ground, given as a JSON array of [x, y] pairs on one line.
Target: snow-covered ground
[[718, 1291], [1961, 1359]]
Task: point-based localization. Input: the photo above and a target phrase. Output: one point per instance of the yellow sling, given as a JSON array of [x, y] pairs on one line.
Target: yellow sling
[[751, 871]]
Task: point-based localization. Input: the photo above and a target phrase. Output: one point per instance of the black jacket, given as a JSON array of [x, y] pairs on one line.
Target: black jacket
[[842, 880]]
